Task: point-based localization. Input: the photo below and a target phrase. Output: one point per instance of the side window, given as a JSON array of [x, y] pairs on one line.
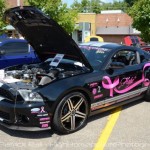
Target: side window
[[145, 56], [15, 47], [125, 56]]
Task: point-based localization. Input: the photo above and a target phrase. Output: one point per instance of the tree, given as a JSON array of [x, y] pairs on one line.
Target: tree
[[77, 6], [97, 5], [115, 6], [84, 6], [130, 2], [2, 10], [140, 12], [59, 11], [87, 6]]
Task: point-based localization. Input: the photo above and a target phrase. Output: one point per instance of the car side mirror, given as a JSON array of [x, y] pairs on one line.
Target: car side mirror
[[117, 65], [2, 52]]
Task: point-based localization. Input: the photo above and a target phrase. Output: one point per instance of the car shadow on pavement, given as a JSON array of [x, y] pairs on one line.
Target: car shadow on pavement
[[133, 104], [98, 116], [107, 113], [28, 134]]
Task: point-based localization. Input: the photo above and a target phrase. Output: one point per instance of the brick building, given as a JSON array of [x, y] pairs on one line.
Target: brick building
[[86, 25], [111, 25], [10, 30], [14, 3], [114, 25]]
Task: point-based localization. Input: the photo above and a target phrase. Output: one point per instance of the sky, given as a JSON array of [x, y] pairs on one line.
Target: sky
[[69, 2]]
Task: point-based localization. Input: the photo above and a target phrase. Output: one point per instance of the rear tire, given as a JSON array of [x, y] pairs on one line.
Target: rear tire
[[71, 113]]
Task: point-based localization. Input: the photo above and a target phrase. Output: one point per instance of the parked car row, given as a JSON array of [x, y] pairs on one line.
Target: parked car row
[[18, 51], [15, 52]]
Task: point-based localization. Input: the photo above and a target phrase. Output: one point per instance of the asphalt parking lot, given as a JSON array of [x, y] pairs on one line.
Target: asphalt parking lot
[[131, 131]]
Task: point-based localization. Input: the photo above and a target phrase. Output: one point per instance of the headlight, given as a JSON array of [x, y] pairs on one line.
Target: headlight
[[28, 95]]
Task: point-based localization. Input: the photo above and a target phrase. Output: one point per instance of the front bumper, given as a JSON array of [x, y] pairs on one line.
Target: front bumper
[[21, 128], [24, 116]]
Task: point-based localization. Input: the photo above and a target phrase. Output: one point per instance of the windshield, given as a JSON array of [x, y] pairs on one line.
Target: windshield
[[95, 55]]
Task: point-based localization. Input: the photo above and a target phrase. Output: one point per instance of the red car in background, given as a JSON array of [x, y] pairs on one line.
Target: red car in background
[[146, 48], [133, 41], [136, 41]]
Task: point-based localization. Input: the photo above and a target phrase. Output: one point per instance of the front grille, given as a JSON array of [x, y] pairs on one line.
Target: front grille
[[4, 115], [6, 94]]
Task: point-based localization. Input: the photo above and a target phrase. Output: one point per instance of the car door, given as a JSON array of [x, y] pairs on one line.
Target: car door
[[14, 53], [125, 81]]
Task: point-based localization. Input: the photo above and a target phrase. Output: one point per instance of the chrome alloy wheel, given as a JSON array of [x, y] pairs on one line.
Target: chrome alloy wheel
[[74, 112]]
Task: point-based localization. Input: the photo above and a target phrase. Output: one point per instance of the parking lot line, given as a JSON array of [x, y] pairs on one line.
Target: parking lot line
[[108, 129]]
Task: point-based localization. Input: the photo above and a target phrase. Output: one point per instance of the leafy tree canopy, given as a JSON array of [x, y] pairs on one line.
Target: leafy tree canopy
[[115, 6], [140, 12], [59, 11], [2, 9], [130, 2], [97, 5]]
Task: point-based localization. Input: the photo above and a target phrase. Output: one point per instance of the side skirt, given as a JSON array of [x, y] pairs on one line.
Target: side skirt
[[116, 101], [115, 105]]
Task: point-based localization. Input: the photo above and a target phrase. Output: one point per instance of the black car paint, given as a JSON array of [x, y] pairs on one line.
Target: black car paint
[[85, 83], [64, 86]]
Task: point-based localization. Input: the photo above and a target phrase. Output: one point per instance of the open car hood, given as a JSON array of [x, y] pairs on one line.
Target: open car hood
[[44, 34]]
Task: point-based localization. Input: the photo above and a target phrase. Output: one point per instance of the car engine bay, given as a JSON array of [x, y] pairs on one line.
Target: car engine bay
[[40, 74]]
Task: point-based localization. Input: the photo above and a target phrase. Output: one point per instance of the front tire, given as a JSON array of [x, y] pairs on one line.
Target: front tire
[[147, 95], [71, 113]]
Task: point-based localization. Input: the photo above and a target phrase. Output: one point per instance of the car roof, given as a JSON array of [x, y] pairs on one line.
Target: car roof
[[102, 44]]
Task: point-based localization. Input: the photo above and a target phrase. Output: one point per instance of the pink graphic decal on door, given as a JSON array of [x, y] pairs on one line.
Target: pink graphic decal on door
[[126, 82], [112, 85], [94, 91]]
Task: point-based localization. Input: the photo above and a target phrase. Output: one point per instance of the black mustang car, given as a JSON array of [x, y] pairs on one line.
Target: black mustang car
[[71, 83]]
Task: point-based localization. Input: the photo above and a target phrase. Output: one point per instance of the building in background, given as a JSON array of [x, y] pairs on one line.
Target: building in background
[[11, 32], [14, 3], [85, 26], [114, 25], [111, 25]]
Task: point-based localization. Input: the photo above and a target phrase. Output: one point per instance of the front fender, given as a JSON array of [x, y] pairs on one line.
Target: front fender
[[54, 92]]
